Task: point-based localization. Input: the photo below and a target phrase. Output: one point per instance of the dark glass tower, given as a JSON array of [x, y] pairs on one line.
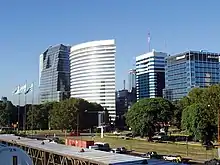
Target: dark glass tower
[[55, 73]]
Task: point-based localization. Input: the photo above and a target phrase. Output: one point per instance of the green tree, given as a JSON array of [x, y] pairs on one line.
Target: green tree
[[147, 114], [196, 95], [37, 116], [12, 113], [70, 112], [63, 115], [197, 120], [200, 117], [4, 114], [178, 109]]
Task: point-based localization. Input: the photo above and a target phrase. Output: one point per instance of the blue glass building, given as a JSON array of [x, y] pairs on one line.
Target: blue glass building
[[54, 74], [190, 69], [150, 74]]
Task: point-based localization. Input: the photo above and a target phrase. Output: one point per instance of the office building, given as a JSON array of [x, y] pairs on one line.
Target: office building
[[124, 100], [92, 73], [190, 69], [150, 76], [131, 79], [54, 73]]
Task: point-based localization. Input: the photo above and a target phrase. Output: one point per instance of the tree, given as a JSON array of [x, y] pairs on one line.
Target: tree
[[178, 109], [12, 113], [197, 120], [147, 114], [196, 95], [63, 115], [37, 116], [70, 112], [4, 114], [200, 116]]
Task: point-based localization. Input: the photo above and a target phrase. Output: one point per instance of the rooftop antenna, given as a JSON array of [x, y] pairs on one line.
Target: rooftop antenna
[[134, 62], [124, 84], [165, 45], [148, 40]]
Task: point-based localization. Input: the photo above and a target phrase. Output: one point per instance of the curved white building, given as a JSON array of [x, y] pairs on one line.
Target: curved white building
[[92, 73]]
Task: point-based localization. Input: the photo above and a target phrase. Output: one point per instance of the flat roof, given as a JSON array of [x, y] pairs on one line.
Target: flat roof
[[94, 156], [193, 51]]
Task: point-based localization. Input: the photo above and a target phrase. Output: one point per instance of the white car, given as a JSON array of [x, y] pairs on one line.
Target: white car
[[116, 133], [116, 150], [172, 158], [95, 147]]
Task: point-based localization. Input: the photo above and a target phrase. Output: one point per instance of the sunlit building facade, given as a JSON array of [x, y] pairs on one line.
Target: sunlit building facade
[[92, 73], [150, 74], [190, 69], [132, 79]]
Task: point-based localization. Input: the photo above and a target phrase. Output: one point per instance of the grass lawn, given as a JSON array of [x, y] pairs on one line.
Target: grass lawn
[[192, 151]]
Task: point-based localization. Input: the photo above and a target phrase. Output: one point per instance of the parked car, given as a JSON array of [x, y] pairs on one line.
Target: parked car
[[120, 150], [160, 137], [103, 146], [116, 133], [151, 155], [95, 147], [116, 150], [123, 150], [172, 158]]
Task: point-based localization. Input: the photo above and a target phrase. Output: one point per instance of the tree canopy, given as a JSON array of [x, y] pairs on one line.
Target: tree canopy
[[146, 115], [54, 115], [199, 117], [7, 113], [64, 114]]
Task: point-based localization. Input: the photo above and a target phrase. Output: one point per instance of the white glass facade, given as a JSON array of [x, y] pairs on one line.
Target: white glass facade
[[132, 79], [92, 73], [150, 76]]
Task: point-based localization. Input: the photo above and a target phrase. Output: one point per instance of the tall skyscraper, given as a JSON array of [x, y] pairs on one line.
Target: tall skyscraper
[[131, 79], [54, 73], [92, 74], [190, 69], [150, 76]]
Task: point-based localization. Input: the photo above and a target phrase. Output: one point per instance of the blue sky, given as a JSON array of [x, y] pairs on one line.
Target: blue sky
[[27, 28]]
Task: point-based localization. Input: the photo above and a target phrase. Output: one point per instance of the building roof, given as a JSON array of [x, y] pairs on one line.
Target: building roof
[[151, 54], [92, 44], [192, 51], [95, 156]]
